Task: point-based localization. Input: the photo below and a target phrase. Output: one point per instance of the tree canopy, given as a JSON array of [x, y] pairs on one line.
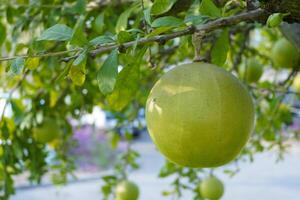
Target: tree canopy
[[61, 58]]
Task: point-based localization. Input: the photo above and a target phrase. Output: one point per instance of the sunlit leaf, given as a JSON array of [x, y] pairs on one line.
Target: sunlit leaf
[[78, 36]]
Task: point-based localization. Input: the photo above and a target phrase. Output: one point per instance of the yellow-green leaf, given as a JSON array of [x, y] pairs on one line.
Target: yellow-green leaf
[[32, 63]]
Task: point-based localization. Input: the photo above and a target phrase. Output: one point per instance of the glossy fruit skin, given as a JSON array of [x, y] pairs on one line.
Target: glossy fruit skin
[[212, 188], [47, 131], [199, 115], [274, 20], [252, 71], [284, 54], [296, 83], [127, 190]]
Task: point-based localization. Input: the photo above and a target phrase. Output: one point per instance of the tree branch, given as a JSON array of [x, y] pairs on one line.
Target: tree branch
[[206, 28]]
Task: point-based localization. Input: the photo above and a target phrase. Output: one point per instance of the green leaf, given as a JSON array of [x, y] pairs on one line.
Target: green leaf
[[32, 63], [207, 7], [168, 21], [81, 58], [196, 19], [17, 66], [98, 23], [78, 36], [2, 34], [147, 15], [77, 75], [162, 6], [58, 32], [128, 82], [80, 6], [220, 49], [124, 36], [123, 20], [101, 40], [126, 87], [107, 74]]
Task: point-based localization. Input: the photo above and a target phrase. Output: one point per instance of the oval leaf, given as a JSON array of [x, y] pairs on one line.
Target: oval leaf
[[220, 49], [107, 74], [162, 6], [167, 21], [58, 32]]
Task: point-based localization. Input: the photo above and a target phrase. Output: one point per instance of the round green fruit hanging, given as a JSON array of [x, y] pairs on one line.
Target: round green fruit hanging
[[212, 188], [127, 190], [251, 71], [284, 54], [199, 115]]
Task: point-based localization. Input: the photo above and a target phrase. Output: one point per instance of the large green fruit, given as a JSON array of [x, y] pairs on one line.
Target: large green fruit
[[251, 71], [199, 115], [284, 54], [212, 188], [127, 190], [47, 131]]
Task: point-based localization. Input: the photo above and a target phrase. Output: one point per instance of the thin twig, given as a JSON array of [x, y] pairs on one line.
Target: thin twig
[[208, 27], [273, 90], [40, 55]]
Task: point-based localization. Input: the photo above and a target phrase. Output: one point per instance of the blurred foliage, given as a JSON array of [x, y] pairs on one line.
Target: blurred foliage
[[64, 81]]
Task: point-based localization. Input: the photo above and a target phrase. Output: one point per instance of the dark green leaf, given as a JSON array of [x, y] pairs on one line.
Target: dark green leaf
[[162, 6], [101, 40], [107, 74], [220, 49], [124, 36], [208, 8], [98, 23], [196, 19], [127, 83], [58, 32], [2, 33], [147, 15], [168, 21], [78, 36], [80, 6]]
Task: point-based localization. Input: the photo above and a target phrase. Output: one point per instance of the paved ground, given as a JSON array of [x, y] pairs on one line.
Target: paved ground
[[261, 180]]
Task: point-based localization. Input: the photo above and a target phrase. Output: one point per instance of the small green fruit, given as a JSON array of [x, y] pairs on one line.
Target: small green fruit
[[212, 188], [284, 54], [47, 131], [251, 71], [274, 20], [127, 190]]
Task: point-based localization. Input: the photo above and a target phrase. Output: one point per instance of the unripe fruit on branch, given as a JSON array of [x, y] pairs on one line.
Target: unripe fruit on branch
[[212, 188], [199, 115], [251, 71], [127, 190], [284, 54], [274, 20]]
